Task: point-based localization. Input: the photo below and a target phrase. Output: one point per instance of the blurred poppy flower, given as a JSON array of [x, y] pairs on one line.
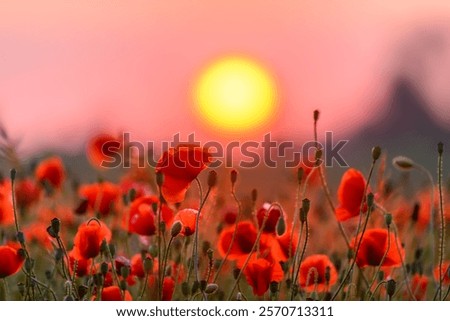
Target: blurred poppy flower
[[6, 206], [180, 166], [141, 219], [103, 149], [350, 195], [313, 273], [11, 260], [272, 218], [101, 196], [243, 243], [419, 285], [137, 265], [37, 232], [113, 293], [27, 193], [260, 272], [279, 245], [168, 288], [230, 217], [445, 273], [82, 265], [373, 247], [51, 171], [89, 237], [187, 218]]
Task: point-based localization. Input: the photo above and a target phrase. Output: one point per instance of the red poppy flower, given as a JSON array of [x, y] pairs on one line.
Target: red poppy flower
[[278, 245], [142, 219], [272, 218], [373, 247], [187, 218], [444, 273], [89, 237], [419, 285], [229, 217], [113, 293], [243, 242], [82, 264], [6, 207], [350, 195], [51, 171], [11, 260], [260, 273], [103, 149], [137, 266], [168, 288], [101, 197], [313, 273], [27, 193], [180, 166]]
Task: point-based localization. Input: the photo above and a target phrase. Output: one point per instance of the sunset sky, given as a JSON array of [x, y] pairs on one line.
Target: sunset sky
[[69, 69]]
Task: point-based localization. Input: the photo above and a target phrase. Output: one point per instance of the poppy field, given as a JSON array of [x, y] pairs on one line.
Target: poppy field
[[183, 231]]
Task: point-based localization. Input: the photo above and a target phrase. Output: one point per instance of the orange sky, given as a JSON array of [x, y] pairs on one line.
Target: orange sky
[[71, 68]]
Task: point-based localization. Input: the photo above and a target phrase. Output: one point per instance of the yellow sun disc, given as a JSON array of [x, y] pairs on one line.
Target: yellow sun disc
[[235, 94]]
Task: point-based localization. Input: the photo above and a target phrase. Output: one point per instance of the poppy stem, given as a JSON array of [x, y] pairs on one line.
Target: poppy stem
[[144, 287], [158, 215], [442, 217], [113, 268], [350, 269], [375, 290], [195, 245], [3, 289], [233, 237], [294, 282], [297, 248], [165, 263]]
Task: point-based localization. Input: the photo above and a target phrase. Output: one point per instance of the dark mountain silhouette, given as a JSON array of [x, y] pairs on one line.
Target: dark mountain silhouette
[[406, 129]]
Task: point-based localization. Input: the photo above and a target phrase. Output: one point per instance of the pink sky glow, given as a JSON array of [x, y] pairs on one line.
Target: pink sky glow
[[69, 69]]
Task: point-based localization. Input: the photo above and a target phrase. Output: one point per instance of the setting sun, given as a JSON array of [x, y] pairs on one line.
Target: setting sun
[[235, 94]]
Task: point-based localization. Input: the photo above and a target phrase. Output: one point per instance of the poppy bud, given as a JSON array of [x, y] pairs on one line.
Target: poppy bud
[[195, 287], [380, 275], [56, 225], [104, 268], [162, 227], [415, 214], [327, 274], [98, 279], [123, 285], [155, 207], [390, 287], [82, 206], [132, 194], [203, 285], [288, 283], [210, 253], [29, 264], [212, 179], [48, 274], [316, 115], [236, 272], [103, 246], [254, 195], [318, 156], [239, 296], [211, 288], [124, 271], [273, 287], [388, 219], [403, 163], [440, 148], [159, 179], [281, 226], [300, 172], [306, 204], [112, 249], [233, 176], [21, 252], [185, 288], [153, 250], [13, 174], [206, 245], [376, 152], [370, 200], [176, 228], [69, 298], [148, 265], [21, 287], [58, 254], [20, 237]]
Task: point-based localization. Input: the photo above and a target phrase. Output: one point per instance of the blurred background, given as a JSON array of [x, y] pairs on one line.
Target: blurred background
[[378, 71]]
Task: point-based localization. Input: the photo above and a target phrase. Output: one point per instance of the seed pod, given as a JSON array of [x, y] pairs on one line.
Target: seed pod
[[233, 176], [376, 152], [176, 228], [212, 179]]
